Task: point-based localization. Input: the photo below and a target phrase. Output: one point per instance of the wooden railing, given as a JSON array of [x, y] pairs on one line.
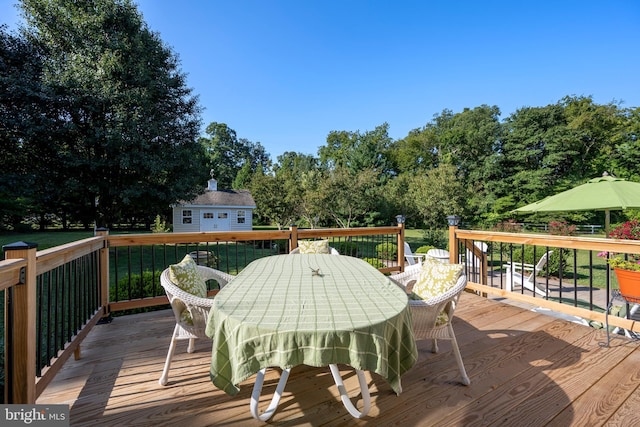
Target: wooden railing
[[55, 296], [563, 287], [74, 281]]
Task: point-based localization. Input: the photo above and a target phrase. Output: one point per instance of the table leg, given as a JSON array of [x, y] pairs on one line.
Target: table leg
[[257, 389], [364, 389]]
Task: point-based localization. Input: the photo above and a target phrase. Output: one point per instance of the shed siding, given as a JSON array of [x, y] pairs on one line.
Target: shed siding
[[179, 227]]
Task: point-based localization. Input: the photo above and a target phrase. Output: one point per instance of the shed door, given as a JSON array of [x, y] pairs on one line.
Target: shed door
[[214, 220]]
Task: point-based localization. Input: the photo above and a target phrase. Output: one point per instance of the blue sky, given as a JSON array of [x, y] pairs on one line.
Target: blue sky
[[286, 73]]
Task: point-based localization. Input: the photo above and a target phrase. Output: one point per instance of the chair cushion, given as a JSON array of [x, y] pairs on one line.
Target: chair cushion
[[435, 279], [186, 276], [314, 247]]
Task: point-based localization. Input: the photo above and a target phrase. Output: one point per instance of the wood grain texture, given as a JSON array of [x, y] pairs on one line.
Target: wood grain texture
[[525, 368]]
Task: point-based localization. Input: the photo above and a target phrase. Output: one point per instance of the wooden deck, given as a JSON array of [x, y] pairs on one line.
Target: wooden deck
[[525, 369]]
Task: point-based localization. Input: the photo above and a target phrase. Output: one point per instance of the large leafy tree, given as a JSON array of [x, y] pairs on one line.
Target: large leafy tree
[[227, 154], [358, 151], [437, 194], [273, 203], [301, 176], [350, 199], [30, 134], [625, 145], [537, 150], [417, 152], [131, 123]]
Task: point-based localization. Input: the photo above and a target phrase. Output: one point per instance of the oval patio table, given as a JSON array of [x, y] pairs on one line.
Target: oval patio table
[[311, 309]]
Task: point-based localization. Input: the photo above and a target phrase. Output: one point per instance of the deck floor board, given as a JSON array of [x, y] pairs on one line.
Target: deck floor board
[[525, 369]]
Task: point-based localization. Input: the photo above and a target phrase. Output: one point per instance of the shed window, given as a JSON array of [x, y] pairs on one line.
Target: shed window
[[187, 217], [241, 217]]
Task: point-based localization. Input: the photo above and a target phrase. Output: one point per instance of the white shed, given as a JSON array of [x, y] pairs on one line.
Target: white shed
[[215, 210]]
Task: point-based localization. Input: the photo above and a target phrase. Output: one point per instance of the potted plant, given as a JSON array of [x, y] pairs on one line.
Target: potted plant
[[627, 268], [628, 275]]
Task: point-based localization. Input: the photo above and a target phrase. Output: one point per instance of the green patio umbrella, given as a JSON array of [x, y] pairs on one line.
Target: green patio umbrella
[[605, 193]]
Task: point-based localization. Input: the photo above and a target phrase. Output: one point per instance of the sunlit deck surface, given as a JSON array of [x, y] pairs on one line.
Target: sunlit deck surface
[[525, 369]]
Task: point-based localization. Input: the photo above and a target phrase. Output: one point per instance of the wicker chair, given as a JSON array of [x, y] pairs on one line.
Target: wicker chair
[[297, 251], [432, 318], [198, 309]]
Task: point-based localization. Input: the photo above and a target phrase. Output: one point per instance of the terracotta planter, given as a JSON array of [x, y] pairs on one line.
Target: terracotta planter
[[629, 282]]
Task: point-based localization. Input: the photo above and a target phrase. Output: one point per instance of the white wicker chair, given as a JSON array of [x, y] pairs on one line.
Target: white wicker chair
[[198, 308], [297, 251], [426, 313]]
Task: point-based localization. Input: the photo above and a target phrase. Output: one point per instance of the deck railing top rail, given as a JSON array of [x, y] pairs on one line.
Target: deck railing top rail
[[568, 242]]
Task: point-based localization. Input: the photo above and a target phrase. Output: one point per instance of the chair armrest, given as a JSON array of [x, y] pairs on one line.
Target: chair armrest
[[518, 266], [209, 273]]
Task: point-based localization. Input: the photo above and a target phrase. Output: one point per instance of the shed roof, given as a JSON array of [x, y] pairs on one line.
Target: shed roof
[[224, 198]]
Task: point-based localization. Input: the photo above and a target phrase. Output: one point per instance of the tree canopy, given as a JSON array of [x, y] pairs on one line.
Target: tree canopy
[[124, 125], [98, 127]]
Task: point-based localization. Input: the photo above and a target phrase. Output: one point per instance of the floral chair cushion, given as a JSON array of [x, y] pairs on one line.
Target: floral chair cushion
[[186, 276], [314, 247], [435, 279]]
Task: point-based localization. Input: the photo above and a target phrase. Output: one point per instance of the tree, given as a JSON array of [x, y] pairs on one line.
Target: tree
[[437, 194], [356, 151], [29, 134], [272, 203], [301, 176], [350, 198], [625, 148], [226, 154], [131, 122], [417, 152], [595, 128], [537, 151]]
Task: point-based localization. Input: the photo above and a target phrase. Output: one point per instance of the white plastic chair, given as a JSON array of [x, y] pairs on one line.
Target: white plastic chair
[[198, 309], [515, 272], [427, 322], [440, 255], [411, 257]]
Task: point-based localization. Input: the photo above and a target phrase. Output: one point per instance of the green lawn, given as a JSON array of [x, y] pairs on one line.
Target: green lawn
[[44, 239], [414, 237]]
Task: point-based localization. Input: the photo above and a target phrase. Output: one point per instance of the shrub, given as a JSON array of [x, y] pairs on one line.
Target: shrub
[[510, 226], [347, 248], [160, 226], [438, 238], [387, 250], [562, 228], [140, 286], [629, 230], [374, 262], [424, 249]]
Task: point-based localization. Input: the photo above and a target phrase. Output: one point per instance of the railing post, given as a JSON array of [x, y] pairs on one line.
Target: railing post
[[400, 219], [293, 237], [453, 221], [22, 350], [104, 274]]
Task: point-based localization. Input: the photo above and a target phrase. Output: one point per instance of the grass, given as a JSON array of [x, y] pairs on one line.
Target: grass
[[414, 237], [44, 239]]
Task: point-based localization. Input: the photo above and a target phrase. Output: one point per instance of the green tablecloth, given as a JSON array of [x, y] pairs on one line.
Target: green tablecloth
[[277, 312]]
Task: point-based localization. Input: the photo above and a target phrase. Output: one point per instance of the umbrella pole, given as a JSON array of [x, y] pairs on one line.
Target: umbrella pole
[[606, 222]]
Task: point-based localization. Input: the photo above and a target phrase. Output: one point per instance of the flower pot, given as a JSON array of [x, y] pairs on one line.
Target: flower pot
[[629, 282]]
